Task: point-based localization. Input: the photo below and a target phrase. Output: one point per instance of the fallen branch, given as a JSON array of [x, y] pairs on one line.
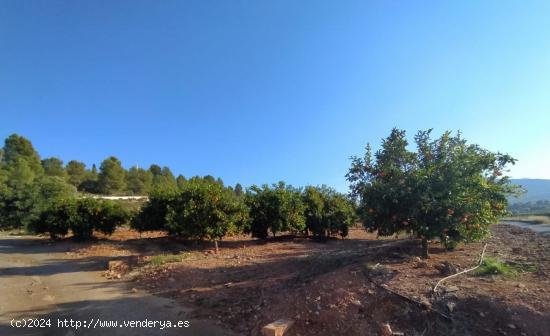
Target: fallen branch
[[411, 300], [462, 272], [428, 306]]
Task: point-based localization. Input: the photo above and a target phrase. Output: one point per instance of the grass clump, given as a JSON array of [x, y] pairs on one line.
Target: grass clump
[[162, 259], [531, 219], [493, 266]]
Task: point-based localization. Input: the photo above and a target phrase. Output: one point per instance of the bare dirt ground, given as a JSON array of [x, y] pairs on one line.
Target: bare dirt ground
[[352, 286], [45, 280]]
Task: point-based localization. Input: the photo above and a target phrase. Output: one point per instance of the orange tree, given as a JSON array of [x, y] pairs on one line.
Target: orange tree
[[327, 212], [278, 208], [82, 215], [204, 209], [446, 189]]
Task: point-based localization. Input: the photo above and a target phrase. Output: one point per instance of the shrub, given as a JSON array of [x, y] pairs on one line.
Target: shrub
[[153, 214], [493, 266], [82, 216], [111, 216], [204, 209], [327, 212], [56, 219], [277, 209]]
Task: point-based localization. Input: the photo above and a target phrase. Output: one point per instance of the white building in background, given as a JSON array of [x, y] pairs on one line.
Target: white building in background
[[115, 198]]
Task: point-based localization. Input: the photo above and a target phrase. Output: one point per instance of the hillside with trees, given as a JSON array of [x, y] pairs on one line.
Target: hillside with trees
[[534, 190], [534, 200]]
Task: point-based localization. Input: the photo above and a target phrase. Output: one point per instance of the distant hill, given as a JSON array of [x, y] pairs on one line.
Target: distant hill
[[537, 190]]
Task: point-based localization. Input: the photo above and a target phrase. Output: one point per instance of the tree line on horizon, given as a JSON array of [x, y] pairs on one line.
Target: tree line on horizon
[[113, 179], [445, 190], [43, 196], [540, 207]]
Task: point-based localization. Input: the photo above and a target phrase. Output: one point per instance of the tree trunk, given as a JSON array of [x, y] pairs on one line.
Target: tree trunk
[[216, 246], [425, 253]]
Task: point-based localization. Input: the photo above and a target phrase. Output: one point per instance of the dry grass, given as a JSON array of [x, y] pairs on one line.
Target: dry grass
[[533, 219]]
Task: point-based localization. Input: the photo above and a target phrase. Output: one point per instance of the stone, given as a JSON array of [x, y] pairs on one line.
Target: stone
[[446, 268], [421, 264], [426, 304], [356, 303], [451, 306], [119, 266], [277, 328], [511, 326], [451, 289], [386, 330], [520, 285]]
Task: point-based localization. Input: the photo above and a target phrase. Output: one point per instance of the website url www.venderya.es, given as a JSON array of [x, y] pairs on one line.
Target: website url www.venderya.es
[[96, 323]]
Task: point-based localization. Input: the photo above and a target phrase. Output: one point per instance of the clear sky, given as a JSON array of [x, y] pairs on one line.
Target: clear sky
[[261, 91]]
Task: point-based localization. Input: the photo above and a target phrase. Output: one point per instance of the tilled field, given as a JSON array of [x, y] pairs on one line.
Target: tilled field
[[355, 286]]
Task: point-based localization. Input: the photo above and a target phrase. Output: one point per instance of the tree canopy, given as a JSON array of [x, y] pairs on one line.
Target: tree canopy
[[111, 178], [25, 189], [446, 189], [54, 167], [276, 208], [76, 173], [327, 212]]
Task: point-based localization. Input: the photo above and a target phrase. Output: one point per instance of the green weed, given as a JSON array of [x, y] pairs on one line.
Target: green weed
[[162, 259], [493, 266]]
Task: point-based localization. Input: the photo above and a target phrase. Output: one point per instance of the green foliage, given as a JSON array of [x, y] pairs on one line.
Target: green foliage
[[90, 183], [204, 210], [54, 167], [82, 216], [162, 259], [153, 214], [76, 173], [19, 148], [25, 190], [239, 190], [494, 266], [56, 219], [49, 190], [111, 179], [277, 209], [180, 181], [447, 188], [138, 181], [163, 179], [18, 195], [327, 212]]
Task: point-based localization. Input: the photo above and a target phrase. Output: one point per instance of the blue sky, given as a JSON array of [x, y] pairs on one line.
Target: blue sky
[[261, 91]]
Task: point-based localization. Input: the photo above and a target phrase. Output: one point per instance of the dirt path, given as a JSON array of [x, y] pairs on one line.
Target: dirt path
[[39, 280]]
